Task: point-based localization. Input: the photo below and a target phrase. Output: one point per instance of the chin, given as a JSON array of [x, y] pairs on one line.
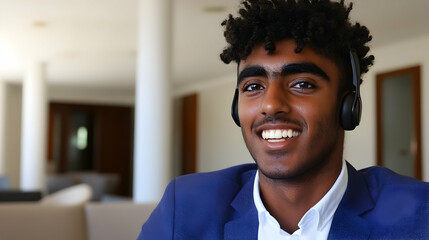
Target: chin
[[290, 169], [279, 172]]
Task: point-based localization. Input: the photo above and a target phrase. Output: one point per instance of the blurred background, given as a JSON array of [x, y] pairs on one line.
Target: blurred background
[[123, 96], [85, 57]]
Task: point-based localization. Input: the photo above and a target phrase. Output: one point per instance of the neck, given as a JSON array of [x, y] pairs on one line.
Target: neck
[[288, 200]]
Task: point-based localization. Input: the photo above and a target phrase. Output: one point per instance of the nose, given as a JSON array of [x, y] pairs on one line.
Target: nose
[[275, 100]]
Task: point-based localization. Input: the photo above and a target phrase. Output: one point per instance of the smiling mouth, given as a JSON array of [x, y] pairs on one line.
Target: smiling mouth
[[279, 135]]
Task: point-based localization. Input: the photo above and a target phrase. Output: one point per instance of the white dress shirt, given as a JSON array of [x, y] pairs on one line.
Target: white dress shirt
[[316, 222]]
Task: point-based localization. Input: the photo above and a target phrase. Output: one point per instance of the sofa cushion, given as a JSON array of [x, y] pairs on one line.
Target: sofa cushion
[[116, 220], [41, 222]]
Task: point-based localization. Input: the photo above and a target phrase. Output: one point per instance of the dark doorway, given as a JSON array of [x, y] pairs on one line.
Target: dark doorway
[[92, 138], [189, 133]]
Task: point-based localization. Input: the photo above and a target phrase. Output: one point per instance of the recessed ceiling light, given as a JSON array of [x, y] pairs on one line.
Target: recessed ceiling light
[[214, 9], [40, 24]]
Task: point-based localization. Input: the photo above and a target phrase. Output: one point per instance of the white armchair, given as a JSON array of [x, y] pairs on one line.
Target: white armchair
[[74, 195]]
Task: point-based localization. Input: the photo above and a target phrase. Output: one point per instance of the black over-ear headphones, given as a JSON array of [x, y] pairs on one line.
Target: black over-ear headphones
[[351, 109]]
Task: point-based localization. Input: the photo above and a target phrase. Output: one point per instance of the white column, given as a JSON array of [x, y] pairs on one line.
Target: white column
[[2, 127], [152, 143], [33, 133]]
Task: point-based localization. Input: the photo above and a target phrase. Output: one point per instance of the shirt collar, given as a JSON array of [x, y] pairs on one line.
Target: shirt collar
[[323, 211]]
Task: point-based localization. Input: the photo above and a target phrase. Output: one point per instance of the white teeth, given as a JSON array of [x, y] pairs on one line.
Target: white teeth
[[284, 133], [279, 134]]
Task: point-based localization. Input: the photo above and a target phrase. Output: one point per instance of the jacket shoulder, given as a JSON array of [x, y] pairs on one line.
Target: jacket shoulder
[[218, 187], [196, 206], [236, 175], [388, 186], [380, 178], [401, 204]]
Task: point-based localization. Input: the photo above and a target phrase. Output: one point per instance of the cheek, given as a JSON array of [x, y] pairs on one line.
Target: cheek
[[323, 112], [247, 111]]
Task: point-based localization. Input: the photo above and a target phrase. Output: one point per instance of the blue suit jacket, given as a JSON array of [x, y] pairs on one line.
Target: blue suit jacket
[[378, 204]]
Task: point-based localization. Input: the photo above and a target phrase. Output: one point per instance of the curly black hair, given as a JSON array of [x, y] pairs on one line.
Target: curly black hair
[[323, 25]]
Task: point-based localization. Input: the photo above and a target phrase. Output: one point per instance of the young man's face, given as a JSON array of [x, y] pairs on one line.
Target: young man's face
[[289, 110]]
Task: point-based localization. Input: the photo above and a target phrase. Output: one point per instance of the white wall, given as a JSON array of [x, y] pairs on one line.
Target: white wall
[[91, 95], [2, 125], [220, 143], [360, 147]]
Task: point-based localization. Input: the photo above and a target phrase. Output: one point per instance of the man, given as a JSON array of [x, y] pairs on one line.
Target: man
[[299, 65]]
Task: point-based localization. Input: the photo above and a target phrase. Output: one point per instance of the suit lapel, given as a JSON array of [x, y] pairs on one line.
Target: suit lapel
[[357, 200], [243, 223]]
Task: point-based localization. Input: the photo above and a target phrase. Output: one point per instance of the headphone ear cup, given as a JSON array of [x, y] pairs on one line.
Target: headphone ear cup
[[234, 108], [351, 110]]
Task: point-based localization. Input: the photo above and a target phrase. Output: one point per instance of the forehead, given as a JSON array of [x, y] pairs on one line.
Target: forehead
[[285, 54]]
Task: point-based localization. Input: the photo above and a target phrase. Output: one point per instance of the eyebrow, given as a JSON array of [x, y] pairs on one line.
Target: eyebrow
[[251, 71], [286, 70], [304, 67]]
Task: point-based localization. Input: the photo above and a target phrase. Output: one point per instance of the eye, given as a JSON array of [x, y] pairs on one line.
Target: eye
[[303, 85], [252, 87]]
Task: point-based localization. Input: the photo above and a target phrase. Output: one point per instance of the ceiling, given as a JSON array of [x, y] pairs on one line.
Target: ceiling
[[93, 42]]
